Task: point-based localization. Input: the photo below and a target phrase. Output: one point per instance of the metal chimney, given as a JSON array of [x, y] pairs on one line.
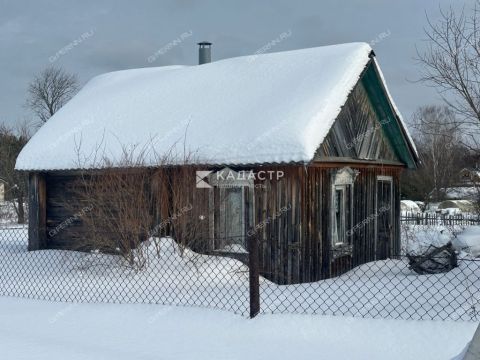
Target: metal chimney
[[204, 52]]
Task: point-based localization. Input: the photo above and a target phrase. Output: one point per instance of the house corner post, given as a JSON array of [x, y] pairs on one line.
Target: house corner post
[[254, 275], [37, 214]]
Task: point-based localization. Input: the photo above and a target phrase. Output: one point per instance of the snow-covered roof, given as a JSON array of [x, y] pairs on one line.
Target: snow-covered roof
[[460, 192], [409, 205], [464, 205], [270, 108]]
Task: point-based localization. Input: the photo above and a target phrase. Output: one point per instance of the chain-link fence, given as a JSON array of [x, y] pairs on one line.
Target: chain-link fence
[[170, 274], [384, 289], [167, 274]]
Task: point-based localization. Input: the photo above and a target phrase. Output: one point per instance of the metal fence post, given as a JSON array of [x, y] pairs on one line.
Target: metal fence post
[[254, 275]]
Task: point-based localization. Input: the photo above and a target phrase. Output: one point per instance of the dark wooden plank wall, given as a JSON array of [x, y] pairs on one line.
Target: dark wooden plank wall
[[292, 217], [280, 226], [357, 133], [63, 228], [37, 217], [296, 247]]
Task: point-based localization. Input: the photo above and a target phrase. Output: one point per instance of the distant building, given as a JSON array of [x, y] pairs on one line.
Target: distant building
[[467, 186], [469, 177]]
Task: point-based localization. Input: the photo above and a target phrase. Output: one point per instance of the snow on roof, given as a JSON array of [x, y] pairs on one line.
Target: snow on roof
[[464, 205], [270, 108], [461, 192]]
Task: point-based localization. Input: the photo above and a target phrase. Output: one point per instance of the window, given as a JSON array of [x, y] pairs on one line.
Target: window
[[339, 221], [383, 218], [342, 206], [231, 210]]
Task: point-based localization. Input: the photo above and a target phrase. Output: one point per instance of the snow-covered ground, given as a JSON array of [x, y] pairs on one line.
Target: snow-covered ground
[[32, 329], [92, 328], [382, 289], [468, 241]]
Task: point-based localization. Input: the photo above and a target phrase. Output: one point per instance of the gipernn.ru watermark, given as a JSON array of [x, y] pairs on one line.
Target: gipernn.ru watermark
[[169, 220], [268, 46], [67, 48], [368, 219], [227, 178], [269, 219], [167, 47], [69, 221]]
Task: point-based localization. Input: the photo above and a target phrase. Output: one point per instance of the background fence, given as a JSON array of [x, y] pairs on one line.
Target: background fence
[[175, 276], [439, 219]]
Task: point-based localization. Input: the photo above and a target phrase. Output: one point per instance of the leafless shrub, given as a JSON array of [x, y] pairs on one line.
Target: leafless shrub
[[416, 239], [131, 201], [120, 218], [175, 193]]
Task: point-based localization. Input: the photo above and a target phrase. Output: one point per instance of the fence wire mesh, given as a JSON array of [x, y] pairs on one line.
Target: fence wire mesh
[[173, 275], [170, 275], [384, 289]]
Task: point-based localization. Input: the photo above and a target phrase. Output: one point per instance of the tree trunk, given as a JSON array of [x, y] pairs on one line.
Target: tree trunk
[[21, 210]]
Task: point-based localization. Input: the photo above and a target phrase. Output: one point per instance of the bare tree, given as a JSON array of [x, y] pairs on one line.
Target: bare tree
[[439, 141], [451, 63], [49, 91], [11, 143]]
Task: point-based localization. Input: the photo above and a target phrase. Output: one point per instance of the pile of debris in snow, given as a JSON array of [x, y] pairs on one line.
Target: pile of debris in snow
[[434, 260]]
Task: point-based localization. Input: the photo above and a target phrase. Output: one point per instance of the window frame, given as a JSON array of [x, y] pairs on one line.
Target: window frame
[[217, 208], [343, 180], [385, 179]]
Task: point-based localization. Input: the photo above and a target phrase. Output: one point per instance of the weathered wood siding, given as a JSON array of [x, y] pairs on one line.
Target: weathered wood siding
[[357, 132], [296, 246], [291, 218], [37, 217], [63, 228]]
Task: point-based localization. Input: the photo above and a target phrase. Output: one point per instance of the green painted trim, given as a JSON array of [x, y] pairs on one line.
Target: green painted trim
[[391, 125]]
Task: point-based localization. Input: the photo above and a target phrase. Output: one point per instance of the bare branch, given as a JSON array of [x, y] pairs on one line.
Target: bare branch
[[451, 62]]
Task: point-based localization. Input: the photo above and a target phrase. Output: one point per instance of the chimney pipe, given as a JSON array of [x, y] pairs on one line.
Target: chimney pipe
[[204, 52]]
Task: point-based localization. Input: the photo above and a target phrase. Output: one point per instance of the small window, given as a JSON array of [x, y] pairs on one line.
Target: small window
[[339, 220], [342, 207], [230, 209], [342, 219]]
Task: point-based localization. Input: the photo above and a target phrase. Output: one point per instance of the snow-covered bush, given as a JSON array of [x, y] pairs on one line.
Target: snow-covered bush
[[468, 241], [416, 239]]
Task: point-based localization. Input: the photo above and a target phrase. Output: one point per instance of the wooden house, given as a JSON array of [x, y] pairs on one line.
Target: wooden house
[[319, 122], [469, 177]]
